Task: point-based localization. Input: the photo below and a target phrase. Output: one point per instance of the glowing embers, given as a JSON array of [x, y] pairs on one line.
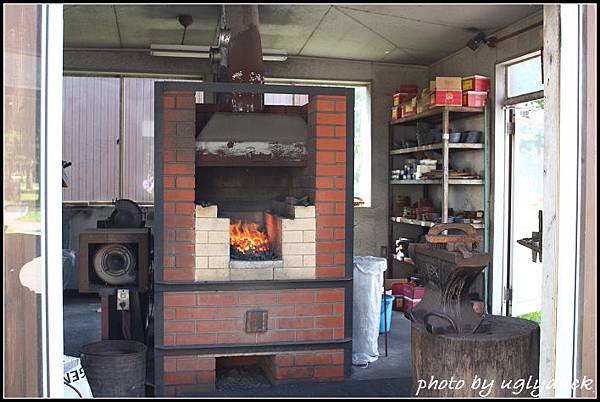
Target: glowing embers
[[250, 242]]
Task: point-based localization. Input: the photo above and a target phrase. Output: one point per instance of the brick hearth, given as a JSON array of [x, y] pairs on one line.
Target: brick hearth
[[196, 250]]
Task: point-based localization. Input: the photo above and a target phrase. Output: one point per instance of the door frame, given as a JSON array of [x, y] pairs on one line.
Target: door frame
[[562, 197], [51, 198], [501, 186], [509, 115]]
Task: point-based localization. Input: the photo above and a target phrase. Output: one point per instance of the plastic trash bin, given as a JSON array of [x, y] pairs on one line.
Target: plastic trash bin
[[388, 306], [368, 282]]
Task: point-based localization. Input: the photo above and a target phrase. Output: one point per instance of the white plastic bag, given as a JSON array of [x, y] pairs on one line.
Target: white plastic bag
[[368, 283], [75, 381]]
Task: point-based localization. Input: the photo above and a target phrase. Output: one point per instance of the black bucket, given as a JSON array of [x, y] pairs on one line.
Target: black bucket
[[115, 368]]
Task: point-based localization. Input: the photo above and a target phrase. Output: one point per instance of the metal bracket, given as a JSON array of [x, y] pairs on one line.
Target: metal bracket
[[508, 294]]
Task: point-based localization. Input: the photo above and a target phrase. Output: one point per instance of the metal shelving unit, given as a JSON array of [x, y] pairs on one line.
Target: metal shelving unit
[[440, 114]]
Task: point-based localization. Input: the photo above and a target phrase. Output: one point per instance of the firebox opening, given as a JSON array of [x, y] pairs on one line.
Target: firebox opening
[[243, 372], [249, 241]]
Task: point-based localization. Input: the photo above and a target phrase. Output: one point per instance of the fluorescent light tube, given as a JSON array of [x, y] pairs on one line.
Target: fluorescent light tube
[[274, 55], [181, 48], [203, 52], [165, 53]]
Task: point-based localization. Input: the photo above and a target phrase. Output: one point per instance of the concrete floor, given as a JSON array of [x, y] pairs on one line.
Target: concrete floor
[[81, 317], [387, 377]]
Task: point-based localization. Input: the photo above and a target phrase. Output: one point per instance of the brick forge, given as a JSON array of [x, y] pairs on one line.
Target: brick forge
[[297, 315]]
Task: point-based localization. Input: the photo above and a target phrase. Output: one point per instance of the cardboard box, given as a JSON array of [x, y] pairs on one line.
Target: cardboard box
[[396, 112], [409, 107], [398, 303], [476, 83], [474, 98], [444, 97], [423, 100], [453, 83], [409, 290], [409, 88], [399, 97]]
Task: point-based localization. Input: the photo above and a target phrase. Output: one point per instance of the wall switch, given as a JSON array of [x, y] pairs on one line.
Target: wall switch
[[122, 299]]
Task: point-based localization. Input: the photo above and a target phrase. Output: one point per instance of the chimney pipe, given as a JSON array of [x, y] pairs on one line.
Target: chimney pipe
[[245, 61]]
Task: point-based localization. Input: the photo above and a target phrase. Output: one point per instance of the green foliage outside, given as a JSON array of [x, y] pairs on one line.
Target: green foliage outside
[[535, 316]]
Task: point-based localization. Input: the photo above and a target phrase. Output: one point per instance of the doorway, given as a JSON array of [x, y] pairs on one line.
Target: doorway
[[526, 153]]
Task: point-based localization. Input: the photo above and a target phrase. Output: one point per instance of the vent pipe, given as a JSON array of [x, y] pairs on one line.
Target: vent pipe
[[244, 61]]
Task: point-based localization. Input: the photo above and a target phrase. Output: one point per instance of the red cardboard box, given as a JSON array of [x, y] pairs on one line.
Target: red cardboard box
[[476, 83], [408, 290], [474, 98], [446, 97], [408, 88], [396, 112]]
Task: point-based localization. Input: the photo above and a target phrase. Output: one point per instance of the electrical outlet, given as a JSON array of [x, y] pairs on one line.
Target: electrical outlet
[[122, 299]]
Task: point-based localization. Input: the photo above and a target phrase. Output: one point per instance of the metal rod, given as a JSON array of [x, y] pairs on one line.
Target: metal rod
[[524, 98], [485, 205], [445, 141], [385, 335], [520, 31], [165, 286], [250, 348]]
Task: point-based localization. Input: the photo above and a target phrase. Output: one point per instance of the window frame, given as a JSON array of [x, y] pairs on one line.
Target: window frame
[[344, 84], [121, 151], [527, 96]]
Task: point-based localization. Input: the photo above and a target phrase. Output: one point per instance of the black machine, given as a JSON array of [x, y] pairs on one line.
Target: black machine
[[115, 262]]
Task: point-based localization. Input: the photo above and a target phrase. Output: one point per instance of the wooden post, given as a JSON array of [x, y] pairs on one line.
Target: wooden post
[[508, 352]]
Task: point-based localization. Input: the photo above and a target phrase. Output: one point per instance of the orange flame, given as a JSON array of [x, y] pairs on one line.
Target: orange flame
[[246, 237]]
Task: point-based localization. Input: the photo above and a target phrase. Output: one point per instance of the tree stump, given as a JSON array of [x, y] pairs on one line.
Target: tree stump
[[506, 357]]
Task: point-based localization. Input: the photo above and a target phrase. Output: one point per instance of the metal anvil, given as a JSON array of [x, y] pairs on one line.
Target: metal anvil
[[448, 265]]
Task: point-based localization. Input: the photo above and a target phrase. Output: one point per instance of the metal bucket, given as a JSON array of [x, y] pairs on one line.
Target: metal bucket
[[115, 368]]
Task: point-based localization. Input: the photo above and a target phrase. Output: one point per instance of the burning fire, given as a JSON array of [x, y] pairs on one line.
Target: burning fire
[[247, 238]]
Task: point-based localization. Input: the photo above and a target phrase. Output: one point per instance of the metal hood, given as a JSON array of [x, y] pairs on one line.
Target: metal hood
[[253, 139], [248, 136]]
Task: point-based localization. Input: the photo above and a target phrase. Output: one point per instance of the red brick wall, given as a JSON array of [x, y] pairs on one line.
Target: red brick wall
[[327, 127], [186, 375], [318, 365], [218, 317], [179, 119]]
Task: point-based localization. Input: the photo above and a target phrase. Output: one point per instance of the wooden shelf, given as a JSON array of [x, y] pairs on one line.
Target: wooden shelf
[[431, 147], [400, 219], [435, 114], [450, 181], [443, 115]]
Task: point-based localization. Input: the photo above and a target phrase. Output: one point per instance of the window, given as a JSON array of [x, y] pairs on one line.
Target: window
[[91, 114], [362, 128], [524, 77]]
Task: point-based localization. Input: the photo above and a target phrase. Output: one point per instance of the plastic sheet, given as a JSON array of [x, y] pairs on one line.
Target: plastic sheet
[[75, 381], [368, 284]]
